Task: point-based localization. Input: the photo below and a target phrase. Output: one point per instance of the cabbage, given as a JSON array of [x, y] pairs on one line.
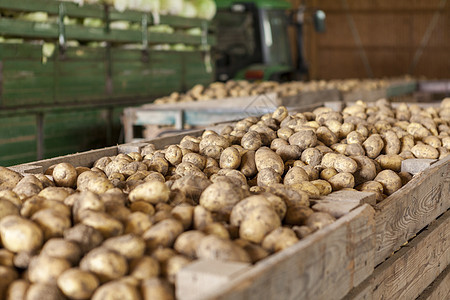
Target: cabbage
[[163, 28], [206, 9], [150, 6], [121, 25], [35, 17], [194, 31], [48, 49], [121, 5], [189, 10], [172, 7], [93, 22]]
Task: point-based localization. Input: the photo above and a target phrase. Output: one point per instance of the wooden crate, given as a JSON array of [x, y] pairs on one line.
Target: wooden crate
[[203, 113], [341, 260]]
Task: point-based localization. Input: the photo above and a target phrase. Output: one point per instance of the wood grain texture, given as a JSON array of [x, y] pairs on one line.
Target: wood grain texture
[[439, 289], [407, 273], [403, 214], [325, 265]]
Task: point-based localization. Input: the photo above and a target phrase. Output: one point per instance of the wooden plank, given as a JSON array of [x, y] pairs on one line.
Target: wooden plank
[[400, 216], [439, 289], [407, 273], [325, 265]]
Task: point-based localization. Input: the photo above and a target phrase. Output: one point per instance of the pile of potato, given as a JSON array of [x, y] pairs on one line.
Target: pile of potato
[[243, 88], [124, 227]]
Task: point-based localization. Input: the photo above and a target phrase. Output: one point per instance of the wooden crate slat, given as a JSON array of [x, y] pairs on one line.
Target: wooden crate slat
[[325, 265], [411, 208], [407, 273], [439, 289]]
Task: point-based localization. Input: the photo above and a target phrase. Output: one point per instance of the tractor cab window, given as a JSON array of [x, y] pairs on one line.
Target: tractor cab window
[[276, 41], [236, 41]]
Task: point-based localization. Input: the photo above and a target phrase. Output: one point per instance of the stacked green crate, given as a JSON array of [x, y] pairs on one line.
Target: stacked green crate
[[72, 99]]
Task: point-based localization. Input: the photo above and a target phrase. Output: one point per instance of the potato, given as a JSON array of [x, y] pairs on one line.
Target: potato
[[323, 186], [173, 155], [17, 289], [85, 236], [220, 197], [55, 193], [251, 141], [326, 136], [137, 223], [277, 143], [267, 177], [390, 161], [284, 133], [163, 233], [186, 243], [184, 212], [341, 181], [186, 168], [39, 291], [116, 290], [92, 181], [392, 142], [355, 137], [11, 197], [46, 269], [255, 252], [372, 186], [418, 130], [61, 248], [51, 222], [258, 222], [191, 186], [217, 229], [175, 264], [151, 191], [7, 208], [47, 181], [129, 246], [27, 187], [196, 159], [328, 160], [36, 203], [319, 220], [366, 170], [302, 231], [311, 156], [354, 150], [77, 284], [306, 187], [280, 113], [289, 152], [248, 164], [144, 267], [19, 234], [156, 289], [345, 164], [8, 275], [105, 264], [279, 239], [105, 224], [425, 151], [390, 180], [230, 158], [202, 217], [8, 178], [305, 138], [216, 248], [327, 173], [373, 145]]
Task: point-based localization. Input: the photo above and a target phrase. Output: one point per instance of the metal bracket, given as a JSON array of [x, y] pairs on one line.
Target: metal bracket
[[145, 50], [61, 31]]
